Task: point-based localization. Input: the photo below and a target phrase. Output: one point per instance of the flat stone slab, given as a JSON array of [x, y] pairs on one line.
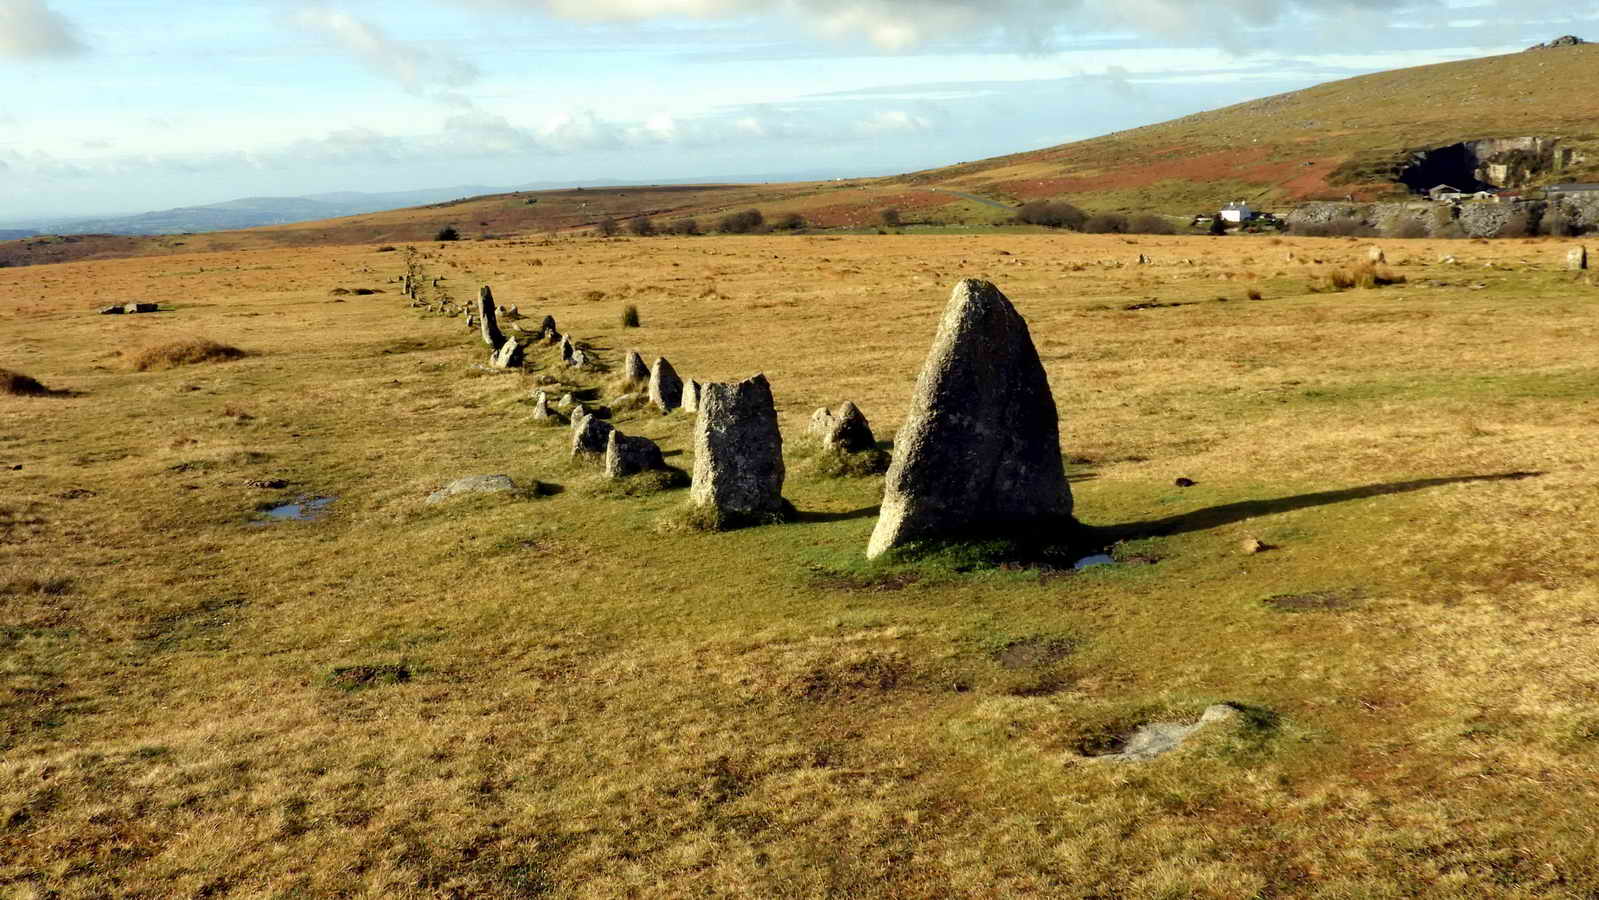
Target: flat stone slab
[[1160, 738], [474, 484]]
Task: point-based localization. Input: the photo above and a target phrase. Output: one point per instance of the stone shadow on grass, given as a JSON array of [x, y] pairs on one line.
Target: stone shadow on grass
[[1230, 513], [804, 517]]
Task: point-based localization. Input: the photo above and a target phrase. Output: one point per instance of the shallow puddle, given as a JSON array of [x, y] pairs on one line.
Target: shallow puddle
[[1098, 559], [298, 511]]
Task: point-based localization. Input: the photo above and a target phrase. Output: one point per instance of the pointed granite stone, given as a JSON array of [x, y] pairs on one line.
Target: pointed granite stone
[[485, 311], [666, 389], [738, 452], [980, 448]]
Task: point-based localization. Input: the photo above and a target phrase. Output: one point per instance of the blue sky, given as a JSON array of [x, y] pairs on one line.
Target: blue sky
[[127, 105]]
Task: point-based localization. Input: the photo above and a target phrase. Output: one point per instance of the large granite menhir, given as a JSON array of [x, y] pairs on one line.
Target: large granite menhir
[[738, 453], [980, 448]]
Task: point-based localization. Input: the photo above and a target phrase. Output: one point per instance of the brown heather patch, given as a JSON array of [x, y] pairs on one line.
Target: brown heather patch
[[191, 351]]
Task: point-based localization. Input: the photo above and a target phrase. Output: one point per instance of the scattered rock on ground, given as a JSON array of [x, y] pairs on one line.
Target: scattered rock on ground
[[980, 448], [474, 484], [1159, 738], [738, 451]]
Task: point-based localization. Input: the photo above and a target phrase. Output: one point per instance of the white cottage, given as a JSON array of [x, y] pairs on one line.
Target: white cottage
[[1237, 213]]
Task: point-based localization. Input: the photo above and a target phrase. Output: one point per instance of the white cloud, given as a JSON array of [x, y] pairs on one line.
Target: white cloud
[[30, 29], [414, 67]]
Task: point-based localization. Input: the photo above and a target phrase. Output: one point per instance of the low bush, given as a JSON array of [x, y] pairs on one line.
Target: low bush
[[890, 218], [747, 222], [1051, 214], [1366, 276], [447, 233], [686, 227], [643, 226], [19, 385], [607, 227], [1106, 223], [630, 316], [791, 222], [1150, 223], [184, 353]]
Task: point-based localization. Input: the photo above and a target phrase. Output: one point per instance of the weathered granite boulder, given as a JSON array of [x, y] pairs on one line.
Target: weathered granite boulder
[[691, 395], [485, 312], [738, 452], [666, 389], [629, 455], [509, 356], [846, 430], [474, 484], [590, 436], [980, 448], [633, 368], [1577, 259]]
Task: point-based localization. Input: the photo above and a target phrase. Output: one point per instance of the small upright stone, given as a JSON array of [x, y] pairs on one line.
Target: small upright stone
[[738, 452], [691, 395], [568, 349], [579, 359], [666, 389], [633, 368], [590, 438], [846, 430], [541, 408], [629, 455], [1375, 255], [1577, 259], [485, 311], [980, 448], [547, 328], [509, 356]]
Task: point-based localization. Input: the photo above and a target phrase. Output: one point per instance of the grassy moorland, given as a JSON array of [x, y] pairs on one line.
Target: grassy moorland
[[553, 694]]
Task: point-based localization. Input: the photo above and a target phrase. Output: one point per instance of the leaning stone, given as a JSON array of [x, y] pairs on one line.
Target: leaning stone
[[474, 484], [633, 368], [980, 448], [738, 452], [691, 395], [485, 311], [566, 400], [1577, 259], [589, 439], [846, 430], [629, 455], [140, 308], [111, 310], [509, 356], [666, 389]]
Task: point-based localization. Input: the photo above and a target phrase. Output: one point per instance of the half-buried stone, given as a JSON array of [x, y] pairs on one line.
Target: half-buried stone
[[590, 437], [846, 431], [738, 455], [629, 455], [474, 484], [666, 389], [485, 311], [980, 449]]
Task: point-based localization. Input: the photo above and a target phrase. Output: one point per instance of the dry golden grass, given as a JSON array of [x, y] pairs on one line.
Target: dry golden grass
[[543, 694], [188, 352]]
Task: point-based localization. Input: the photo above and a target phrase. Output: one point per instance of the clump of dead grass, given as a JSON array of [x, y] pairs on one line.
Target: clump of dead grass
[[19, 385], [692, 518], [188, 352], [1365, 276]]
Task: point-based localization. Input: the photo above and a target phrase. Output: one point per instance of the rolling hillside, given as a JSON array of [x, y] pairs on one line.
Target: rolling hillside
[[1531, 114]]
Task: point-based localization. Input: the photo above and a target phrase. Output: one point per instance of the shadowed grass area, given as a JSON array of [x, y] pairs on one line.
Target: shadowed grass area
[[19, 385], [188, 352]]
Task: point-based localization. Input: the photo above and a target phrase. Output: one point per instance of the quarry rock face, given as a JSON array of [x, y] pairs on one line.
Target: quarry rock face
[[633, 368], [1577, 259], [485, 312], [509, 356], [629, 455], [845, 430], [691, 395], [590, 436], [980, 448], [666, 389], [738, 451]]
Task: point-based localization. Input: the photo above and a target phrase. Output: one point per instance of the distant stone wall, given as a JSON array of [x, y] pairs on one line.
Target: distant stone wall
[[1477, 220]]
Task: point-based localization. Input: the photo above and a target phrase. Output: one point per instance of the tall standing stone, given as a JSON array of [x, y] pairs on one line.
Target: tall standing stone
[[666, 389], [633, 368], [1577, 259], [980, 448], [738, 452], [485, 311]]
